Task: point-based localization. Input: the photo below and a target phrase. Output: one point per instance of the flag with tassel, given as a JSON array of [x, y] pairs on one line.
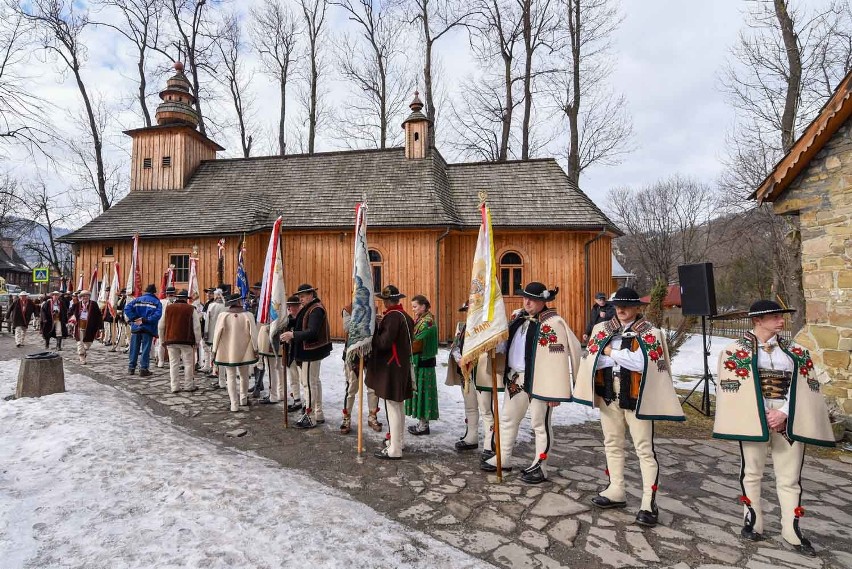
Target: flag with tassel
[[362, 323]]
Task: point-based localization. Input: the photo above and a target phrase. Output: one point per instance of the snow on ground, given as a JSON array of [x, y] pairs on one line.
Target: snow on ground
[[91, 479], [449, 427], [688, 364]]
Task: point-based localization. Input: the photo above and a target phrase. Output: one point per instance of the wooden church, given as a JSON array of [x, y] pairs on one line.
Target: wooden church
[[423, 217]]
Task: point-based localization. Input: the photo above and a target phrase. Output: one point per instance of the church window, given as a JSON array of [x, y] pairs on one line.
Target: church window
[[147, 163], [511, 273], [108, 251], [416, 136], [376, 263], [181, 263]]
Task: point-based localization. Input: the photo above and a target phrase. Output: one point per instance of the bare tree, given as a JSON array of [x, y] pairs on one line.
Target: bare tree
[[435, 19], [23, 115], [479, 120], [231, 47], [374, 64], [275, 32], [539, 25], [314, 12], [140, 26], [665, 224], [785, 65], [45, 218], [497, 26], [61, 26], [12, 203], [599, 127]]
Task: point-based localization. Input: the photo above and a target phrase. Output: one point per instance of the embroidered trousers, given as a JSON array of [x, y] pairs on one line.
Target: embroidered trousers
[[311, 385], [787, 461], [477, 404], [294, 381], [615, 421]]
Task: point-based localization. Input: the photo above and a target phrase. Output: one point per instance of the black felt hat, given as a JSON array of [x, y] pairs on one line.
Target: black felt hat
[[304, 287], [233, 298], [390, 292], [170, 290], [765, 307], [183, 294], [539, 291], [626, 296], [293, 300]]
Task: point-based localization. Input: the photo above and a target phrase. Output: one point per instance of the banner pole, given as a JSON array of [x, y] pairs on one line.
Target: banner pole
[[360, 403], [496, 412]]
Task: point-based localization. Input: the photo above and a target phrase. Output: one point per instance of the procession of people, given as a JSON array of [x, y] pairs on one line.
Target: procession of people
[[767, 397]]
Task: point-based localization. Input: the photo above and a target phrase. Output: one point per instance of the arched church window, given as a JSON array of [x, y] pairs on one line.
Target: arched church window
[[511, 273]]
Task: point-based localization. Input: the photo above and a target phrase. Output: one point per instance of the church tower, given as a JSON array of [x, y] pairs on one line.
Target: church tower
[[166, 155], [416, 130]]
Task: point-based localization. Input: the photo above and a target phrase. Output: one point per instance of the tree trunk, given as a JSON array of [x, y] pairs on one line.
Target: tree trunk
[[507, 111], [525, 125], [282, 85], [794, 78], [96, 138], [197, 94], [573, 110], [312, 115], [427, 80], [142, 86]]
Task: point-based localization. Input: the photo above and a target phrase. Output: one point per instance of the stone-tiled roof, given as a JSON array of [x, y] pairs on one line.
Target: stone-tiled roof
[[320, 191]]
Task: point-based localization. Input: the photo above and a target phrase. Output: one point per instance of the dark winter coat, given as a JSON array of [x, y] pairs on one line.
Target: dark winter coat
[[19, 316], [94, 322], [599, 314], [46, 317], [389, 364], [311, 336]]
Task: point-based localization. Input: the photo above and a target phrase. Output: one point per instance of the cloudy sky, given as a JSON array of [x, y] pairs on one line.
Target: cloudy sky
[[668, 58]]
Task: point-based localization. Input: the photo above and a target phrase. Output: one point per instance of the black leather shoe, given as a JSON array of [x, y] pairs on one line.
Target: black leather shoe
[[605, 503], [646, 518], [145, 373], [488, 467], [533, 476], [417, 431], [131, 371], [463, 446], [383, 454], [750, 534], [486, 454], [266, 401], [805, 548], [305, 423], [295, 406]]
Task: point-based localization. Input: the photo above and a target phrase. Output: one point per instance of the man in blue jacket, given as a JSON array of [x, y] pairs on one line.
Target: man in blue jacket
[[143, 314]]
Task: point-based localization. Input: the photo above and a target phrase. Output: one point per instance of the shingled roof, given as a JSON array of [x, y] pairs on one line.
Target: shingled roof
[[320, 191]]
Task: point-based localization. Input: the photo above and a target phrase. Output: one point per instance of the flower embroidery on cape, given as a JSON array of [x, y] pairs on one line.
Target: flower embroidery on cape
[[739, 362]]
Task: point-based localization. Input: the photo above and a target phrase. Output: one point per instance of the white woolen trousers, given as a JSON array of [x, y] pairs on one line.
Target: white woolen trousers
[[181, 353], [395, 411], [272, 365], [294, 381], [82, 350], [615, 421], [787, 461], [231, 374], [540, 420], [511, 414], [20, 335], [352, 393], [310, 375]]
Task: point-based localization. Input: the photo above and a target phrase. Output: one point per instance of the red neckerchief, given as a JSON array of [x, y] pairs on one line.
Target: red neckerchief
[[394, 353]]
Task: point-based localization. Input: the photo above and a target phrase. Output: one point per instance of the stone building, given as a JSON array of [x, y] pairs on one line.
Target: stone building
[[814, 182], [422, 215]]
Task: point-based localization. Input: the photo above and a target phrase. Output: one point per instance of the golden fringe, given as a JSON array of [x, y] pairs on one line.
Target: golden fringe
[[469, 361]]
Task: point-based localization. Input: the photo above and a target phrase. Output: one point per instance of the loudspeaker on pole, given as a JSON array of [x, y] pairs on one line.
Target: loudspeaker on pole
[[697, 289]]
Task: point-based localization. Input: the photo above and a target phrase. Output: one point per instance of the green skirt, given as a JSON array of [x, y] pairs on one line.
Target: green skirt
[[424, 404]]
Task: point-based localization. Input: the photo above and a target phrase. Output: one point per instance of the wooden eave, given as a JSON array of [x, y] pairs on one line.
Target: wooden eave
[[189, 128], [832, 116]]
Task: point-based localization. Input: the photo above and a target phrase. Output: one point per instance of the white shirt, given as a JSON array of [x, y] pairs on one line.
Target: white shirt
[[517, 351], [634, 361], [775, 359]]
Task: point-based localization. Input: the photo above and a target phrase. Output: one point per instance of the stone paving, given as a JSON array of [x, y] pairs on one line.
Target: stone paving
[[552, 525]]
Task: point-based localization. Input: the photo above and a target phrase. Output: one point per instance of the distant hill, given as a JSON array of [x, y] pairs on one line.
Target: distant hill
[[34, 235]]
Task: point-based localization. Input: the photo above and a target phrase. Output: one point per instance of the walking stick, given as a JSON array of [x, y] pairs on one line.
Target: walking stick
[[286, 390], [360, 404], [496, 413]]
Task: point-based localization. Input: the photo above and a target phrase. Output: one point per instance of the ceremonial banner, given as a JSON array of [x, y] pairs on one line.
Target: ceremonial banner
[[220, 263], [167, 280], [112, 300], [362, 323], [134, 276], [80, 283], [486, 315], [93, 283], [242, 279], [102, 295], [272, 301], [192, 286]]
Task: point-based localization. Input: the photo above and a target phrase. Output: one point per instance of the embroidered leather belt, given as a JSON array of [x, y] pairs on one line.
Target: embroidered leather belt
[[774, 383], [426, 363], [515, 383]]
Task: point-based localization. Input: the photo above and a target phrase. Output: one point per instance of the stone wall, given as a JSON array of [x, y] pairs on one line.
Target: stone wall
[[822, 194]]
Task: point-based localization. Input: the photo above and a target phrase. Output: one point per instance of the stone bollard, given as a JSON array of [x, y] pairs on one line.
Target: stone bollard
[[40, 374]]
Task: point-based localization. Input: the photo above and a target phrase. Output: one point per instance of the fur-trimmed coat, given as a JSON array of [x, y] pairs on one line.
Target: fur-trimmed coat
[[657, 399], [740, 410]]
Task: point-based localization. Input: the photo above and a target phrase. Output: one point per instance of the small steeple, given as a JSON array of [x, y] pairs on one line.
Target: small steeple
[[177, 97], [416, 128]]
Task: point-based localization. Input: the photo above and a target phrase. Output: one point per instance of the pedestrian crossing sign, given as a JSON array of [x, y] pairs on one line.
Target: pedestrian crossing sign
[[41, 275]]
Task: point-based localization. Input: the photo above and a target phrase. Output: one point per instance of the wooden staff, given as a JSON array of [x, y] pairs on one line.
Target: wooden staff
[[284, 379], [360, 403], [496, 412]]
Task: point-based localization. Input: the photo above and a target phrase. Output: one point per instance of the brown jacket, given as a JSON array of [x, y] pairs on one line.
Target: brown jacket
[[19, 314], [180, 325], [94, 321], [389, 366]]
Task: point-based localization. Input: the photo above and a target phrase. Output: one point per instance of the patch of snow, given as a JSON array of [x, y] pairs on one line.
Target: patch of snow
[[91, 479], [688, 364]]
